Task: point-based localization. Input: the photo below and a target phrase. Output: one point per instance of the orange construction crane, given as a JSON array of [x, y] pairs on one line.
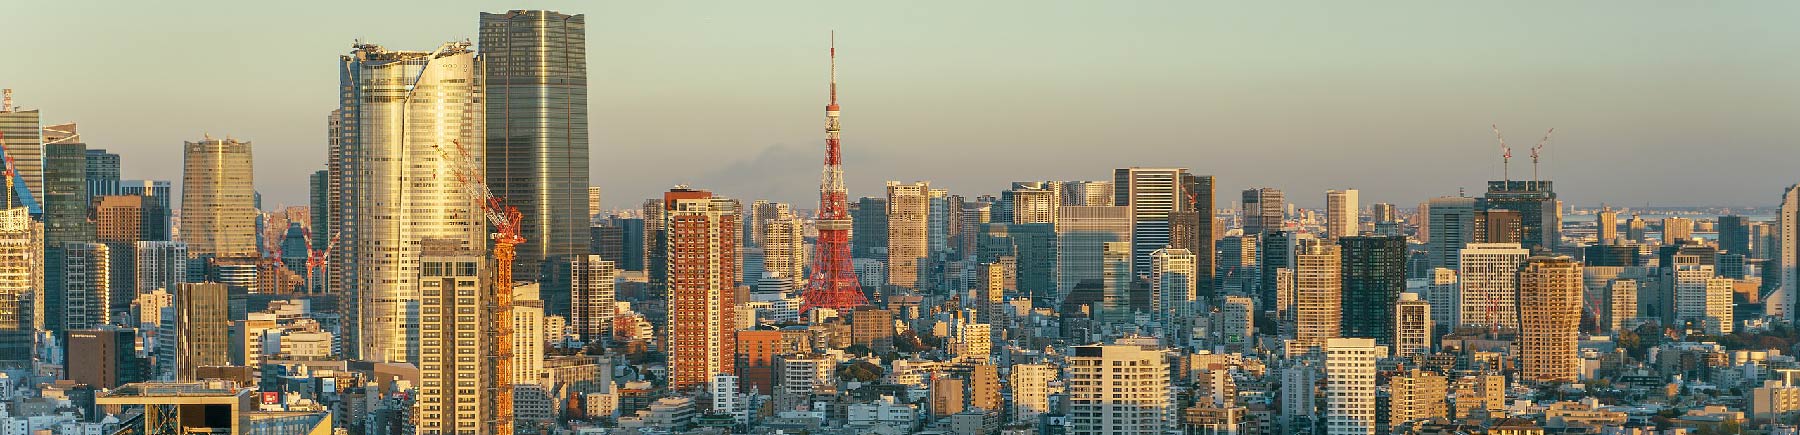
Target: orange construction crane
[[316, 258], [505, 220]]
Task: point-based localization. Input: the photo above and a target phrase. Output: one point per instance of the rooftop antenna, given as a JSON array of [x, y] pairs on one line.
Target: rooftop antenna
[[1534, 154], [1505, 156]]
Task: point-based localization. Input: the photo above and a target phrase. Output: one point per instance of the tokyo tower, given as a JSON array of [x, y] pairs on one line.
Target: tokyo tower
[[833, 283]]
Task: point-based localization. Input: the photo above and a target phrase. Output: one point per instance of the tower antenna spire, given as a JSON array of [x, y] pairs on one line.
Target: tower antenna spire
[[834, 67], [833, 282]]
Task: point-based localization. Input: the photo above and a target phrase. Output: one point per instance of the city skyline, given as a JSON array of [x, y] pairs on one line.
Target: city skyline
[[1240, 92]]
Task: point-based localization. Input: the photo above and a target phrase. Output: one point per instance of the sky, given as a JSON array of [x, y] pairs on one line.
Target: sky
[[1654, 102]]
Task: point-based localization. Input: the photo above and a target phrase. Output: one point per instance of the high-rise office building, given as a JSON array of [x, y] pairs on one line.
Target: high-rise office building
[[455, 379], [121, 222], [1734, 235], [24, 143], [202, 323], [1341, 219], [1550, 311], [1621, 297], [108, 357], [1445, 295], [1489, 283], [1124, 390], [869, 228], [1318, 291], [19, 260], [702, 262], [593, 201], [1384, 212], [908, 213], [1152, 194], [1035, 202], [1374, 276], [159, 265], [1452, 225], [218, 208], [102, 173], [1350, 386], [1676, 230], [1636, 229], [1263, 210], [1116, 282], [1088, 193], [1277, 253], [65, 218], [1174, 300], [1082, 233], [1497, 226], [1540, 218], [1606, 226], [87, 285], [1194, 228], [402, 112], [1417, 395], [535, 80], [1412, 326], [159, 193]]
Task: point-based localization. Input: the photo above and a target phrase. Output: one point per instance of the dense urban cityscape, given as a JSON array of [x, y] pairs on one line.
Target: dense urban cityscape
[[454, 272]]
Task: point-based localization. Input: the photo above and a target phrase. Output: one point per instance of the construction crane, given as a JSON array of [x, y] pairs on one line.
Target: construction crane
[[316, 258], [505, 220], [1534, 154], [1505, 154]]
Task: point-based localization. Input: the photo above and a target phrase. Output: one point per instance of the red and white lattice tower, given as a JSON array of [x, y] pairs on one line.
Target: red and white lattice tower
[[833, 284]]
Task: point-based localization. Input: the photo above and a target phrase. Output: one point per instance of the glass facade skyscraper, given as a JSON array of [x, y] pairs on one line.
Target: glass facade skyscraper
[[537, 128]]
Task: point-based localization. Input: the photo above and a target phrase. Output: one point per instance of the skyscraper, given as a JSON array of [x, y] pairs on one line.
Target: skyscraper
[[1374, 276], [66, 225], [202, 321], [869, 228], [102, 173], [1173, 292], [218, 209], [702, 255], [1341, 219], [1635, 229], [784, 246], [160, 265], [1125, 390], [1116, 281], [1263, 210], [1035, 202], [1540, 218], [1318, 292], [456, 388], [1193, 228], [18, 257], [1452, 221], [1489, 282], [24, 143], [1676, 230], [1350, 386], [1702, 299], [1734, 235], [908, 212], [1082, 233], [535, 78], [1550, 310], [1779, 303], [591, 297], [1152, 194], [402, 113]]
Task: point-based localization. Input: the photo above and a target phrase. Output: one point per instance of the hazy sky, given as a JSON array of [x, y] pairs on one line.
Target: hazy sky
[[1672, 103]]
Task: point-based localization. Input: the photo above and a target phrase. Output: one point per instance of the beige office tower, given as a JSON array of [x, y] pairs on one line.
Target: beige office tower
[[1036, 205], [1082, 233], [24, 143], [1412, 326], [1123, 390], [1088, 193], [404, 113], [1550, 310], [784, 247], [1417, 395], [17, 258], [202, 325], [990, 297], [218, 199], [1621, 295], [908, 211], [1702, 299], [1341, 218], [1173, 293], [1350, 386], [1489, 282], [1441, 290], [593, 198], [1032, 386], [1318, 294], [455, 379], [1779, 303], [1677, 229], [1606, 226]]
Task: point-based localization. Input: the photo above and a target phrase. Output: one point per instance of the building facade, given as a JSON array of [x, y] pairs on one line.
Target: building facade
[[535, 77]]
